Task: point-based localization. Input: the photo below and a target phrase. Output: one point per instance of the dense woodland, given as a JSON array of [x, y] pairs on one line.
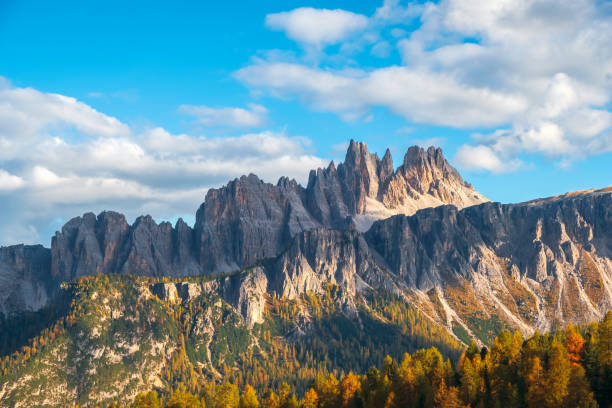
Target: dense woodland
[[336, 344], [571, 368], [266, 366]]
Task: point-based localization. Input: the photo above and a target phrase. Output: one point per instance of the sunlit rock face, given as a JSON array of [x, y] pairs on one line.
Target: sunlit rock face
[[419, 231], [248, 220]]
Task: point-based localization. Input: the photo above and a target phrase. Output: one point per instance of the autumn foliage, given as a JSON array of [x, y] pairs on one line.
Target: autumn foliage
[[568, 369]]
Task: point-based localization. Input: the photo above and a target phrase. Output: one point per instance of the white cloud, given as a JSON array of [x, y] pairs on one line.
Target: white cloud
[[9, 182], [536, 73], [393, 12], [255, 116], [43, 177], [481, 158], [317, 27], [420, 96], [51, 175], [561, 127], [26, 112]]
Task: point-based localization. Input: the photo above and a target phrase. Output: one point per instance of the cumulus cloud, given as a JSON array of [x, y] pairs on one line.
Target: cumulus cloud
[[9, 182], [420, 96], [482, 158], [392, 11], [64, 165], [27, 112], [253, 117], [317, 27], [536, 73], [562, 126], [381, 49]]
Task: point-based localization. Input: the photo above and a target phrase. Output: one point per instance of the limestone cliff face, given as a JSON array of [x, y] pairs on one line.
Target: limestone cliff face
[[249, 220], [532, 265], [319, 257], [90, 245], [25, 280], [356, 226], [523, 266]]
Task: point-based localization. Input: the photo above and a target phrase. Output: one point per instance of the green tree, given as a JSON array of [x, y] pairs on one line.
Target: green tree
[[248, 399], [180, 399], [557, 376], [227, 396], [146, 400]]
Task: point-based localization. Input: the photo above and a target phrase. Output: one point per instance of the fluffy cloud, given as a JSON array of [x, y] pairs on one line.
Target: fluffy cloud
[[63, 165], [317, 27], [482, 158], [27, 112], [9, 182], [562, 126], [228, 116], [537, 74], [418, 95]]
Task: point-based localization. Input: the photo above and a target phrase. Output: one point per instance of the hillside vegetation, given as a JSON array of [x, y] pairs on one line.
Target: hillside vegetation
[[571, 368], [118, 338]]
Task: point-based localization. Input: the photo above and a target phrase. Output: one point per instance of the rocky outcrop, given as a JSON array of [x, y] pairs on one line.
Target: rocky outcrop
[[320, 257], [90, 245], [25, 280], [165, 291], [533, 265], [251, 299], [183, 292], [357, 226], [249, 220]]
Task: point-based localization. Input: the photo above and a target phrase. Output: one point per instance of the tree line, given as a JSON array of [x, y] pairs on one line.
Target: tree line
[[567, 369]]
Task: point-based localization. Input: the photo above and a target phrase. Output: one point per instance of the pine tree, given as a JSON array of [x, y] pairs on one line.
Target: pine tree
[[447, 397], [248, 399], [578, 390], [146, 400], [575, 344], [557, 376], [536, 388], [349, 389], [470, 382], [311, 399]]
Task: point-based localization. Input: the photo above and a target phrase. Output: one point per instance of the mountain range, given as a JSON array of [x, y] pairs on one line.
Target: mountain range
[[363, 234]]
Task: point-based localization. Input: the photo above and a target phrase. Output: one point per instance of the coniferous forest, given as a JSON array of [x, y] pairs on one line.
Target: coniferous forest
[[569, 368], [336, 365]]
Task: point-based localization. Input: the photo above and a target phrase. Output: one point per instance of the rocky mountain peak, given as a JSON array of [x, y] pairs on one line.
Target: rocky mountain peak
[[386, 166], [426, 167], [425, 179], [248, 219]]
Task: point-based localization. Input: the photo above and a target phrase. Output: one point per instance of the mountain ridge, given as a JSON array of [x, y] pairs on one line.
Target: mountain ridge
[[248, 220], [285, 267], [426, 254]]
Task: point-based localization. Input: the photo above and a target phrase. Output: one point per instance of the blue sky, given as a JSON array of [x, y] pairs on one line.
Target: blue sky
[[142, 107]]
